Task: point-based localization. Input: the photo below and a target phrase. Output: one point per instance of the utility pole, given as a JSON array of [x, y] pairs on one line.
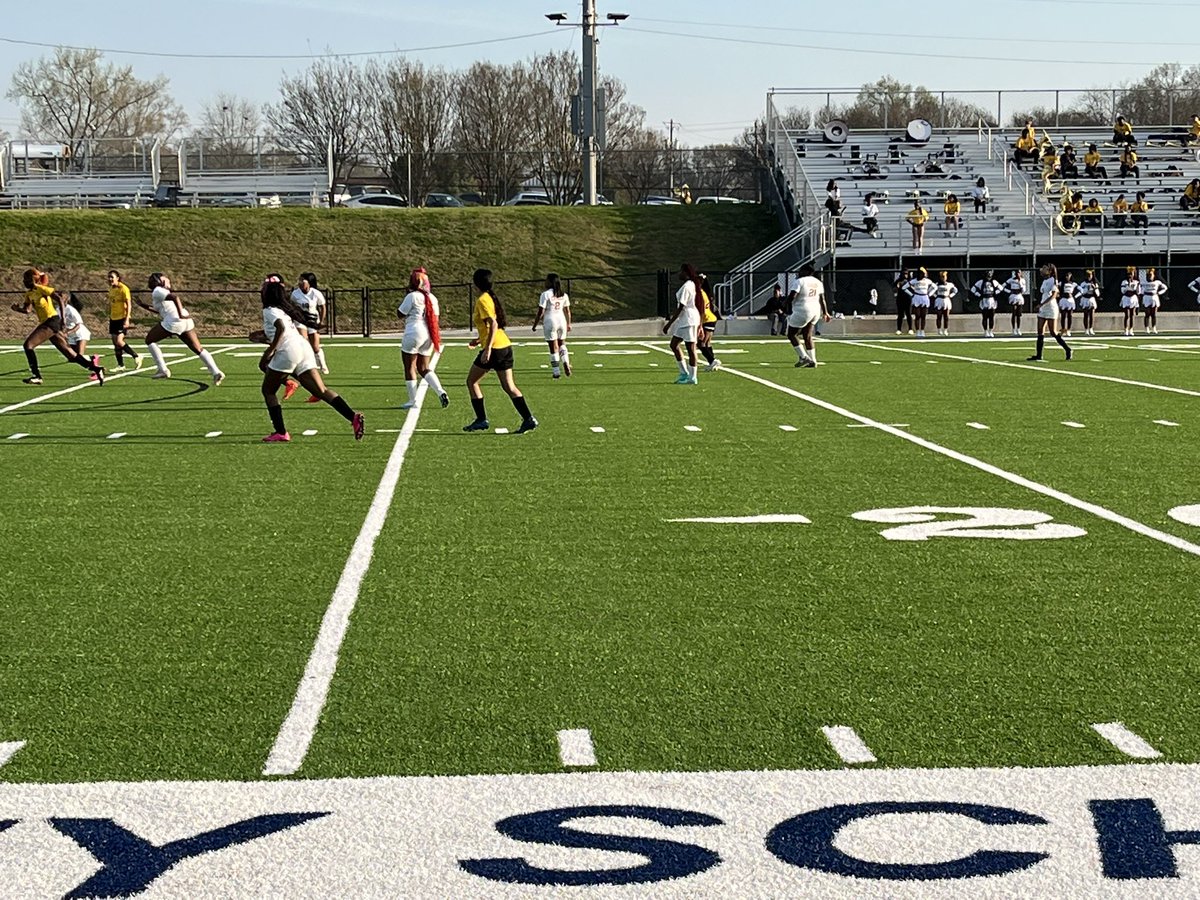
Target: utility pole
[[671, 156], [588, 82]]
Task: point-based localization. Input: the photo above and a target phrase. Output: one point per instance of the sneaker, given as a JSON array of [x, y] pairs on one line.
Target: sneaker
[[32, 379], [566, 368], [360, 426], [275, 438], [289, 389], [313, 398], [137, 362], [407, 405], [528, 425], [910, 331], [898, 331], [218, 377], [682, 379], [1033, 359], [98, 375], [165, 373], [716, 364], [444, 398], [692, 379], [477, 425]]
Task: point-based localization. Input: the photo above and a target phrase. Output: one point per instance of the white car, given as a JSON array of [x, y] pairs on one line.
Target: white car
[[662, 201], [528, 198], [376, 201], [601, 200], [700, 200]]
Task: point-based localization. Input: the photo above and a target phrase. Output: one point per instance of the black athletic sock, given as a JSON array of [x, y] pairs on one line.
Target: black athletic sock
[[120, 356], [522, 407], [480, 412], [1040, 343], [276, 413], [84, 362], [130, 352], [342, 407], [31, 358], [1061, 342], [708, 354]]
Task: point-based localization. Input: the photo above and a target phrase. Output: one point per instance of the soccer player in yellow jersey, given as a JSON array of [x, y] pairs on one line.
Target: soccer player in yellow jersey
[[708, 325], [120, 306], [495, 355], [47, 304]]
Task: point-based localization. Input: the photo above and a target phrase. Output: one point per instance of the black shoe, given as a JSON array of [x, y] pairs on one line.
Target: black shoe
[[445, 398], [477, 425], [1033, 359], [528, 425], [1069, 354], [99, 373], [32, 379]]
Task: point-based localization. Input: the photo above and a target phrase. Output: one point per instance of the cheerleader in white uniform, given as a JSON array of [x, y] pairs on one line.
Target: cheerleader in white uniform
[[1016, 289], [1066, 302], [920, 287], [1152, 291], [1089, 300], [987, 289], [1047, 312], [288, 353], [944, 293], [422, 338], [1131, 290], [173, 320]]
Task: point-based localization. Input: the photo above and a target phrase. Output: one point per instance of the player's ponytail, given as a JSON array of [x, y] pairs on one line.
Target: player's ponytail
[[554, 284], [483, 281], [419, 281]]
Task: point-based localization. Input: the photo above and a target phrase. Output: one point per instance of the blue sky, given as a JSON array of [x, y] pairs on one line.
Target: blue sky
[[713, 87]]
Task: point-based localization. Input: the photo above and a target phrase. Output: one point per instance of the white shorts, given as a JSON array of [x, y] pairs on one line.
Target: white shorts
[[685, 332], [81, 334], [294, 356], [1154, 303], [555, 330], [178, 326], [1047, 312], [804, 316], [417, 343], [1128, 303]]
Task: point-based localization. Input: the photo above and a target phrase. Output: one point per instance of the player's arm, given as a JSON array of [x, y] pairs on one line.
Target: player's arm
[[674, 316], [127, 301], [271, 347], [567, 310], [824, 309], [174, 298], [490, 324], [537, 314], [320, 310]]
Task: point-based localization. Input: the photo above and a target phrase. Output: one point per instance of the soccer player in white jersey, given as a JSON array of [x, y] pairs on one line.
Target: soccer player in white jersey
[[1016, 290], [288, 354], [78, 334], [422, 336], [312, 302], [808, 309], [1089, 300], [944, 293], [920, 287], [1066, 302], [173, 320], [685, 322], [1152, 291], [1131, 291], [554, 314], [1047, 312], [987, 289]]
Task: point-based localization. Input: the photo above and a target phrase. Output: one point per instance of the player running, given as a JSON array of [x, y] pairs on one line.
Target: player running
[[120, 308], [173, 320], [312, 303], [422, 338], [48, 305], [1047, 312], [78, 334], [987, 289], [685, 322], [554, 314], [808, 309], [288, 353]]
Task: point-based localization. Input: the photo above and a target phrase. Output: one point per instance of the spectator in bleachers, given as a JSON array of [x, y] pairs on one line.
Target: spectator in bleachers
[[776, 311], [1190, 198], [953, 210], [904, 302], [870, 215], [1195, 130], [1120, 209], [1071, 206], [1093, 214], [917, 217], [1068, 164], [1049, 161], [1091, 163], [1123, 133], [1140, 213], [1129, 163], [833, 199], [1026, 148], [980, 196]]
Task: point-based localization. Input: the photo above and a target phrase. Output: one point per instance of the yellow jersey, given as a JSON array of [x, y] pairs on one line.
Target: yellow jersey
[[1195, 128], [1129, 158], [120, 302], [485, 308], [42, 298], [709, 315], [918, 216], [1027, 141]]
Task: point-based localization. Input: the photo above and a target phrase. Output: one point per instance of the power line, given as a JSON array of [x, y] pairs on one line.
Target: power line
[[292, 56]]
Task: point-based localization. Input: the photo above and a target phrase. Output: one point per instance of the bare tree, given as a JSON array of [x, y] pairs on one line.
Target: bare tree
[[492, 128], [74, 97], [229, 126], [554, 78], [322, 113], [411, 116], [639, 166]]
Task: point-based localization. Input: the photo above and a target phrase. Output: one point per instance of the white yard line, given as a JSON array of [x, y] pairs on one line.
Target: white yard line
[[575, 747], [978, 426], [1011, 365], [1073, 424], [848, 745], [8, 749], [1126, 741], [296, 733], [1166, 422], [116, 435], [88, 384], [18, 435], [1045, 490]]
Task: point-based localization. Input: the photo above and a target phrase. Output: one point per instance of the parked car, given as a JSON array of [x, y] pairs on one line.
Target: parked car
[[657, 200], [441, 201], [700, 200], [376, 201], [528, 198], [167, 195], [601, 200], [471, 198]]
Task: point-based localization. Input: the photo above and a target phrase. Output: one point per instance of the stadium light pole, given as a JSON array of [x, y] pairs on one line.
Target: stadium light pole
[[587, 90]]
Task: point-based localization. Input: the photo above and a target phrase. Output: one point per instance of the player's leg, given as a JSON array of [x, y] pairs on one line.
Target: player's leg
[[60, 343], [528, 422], [410, 378], [154, 336], [676, 341], [1052, 326], [314, 338], [475, 392], [552, 344], [192, 341], [311, 380], [793, 335], [431, 379], [564, 355], [272, 380], [809, 347], [691, 357], [37, 337]]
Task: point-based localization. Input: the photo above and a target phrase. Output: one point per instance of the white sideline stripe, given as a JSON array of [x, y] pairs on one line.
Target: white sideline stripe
[[787, 427], [893, 425], [597, 429], [691, 427], [1012, 365], [18, 435], [876, 362], [1126, 741], [389, 430], [1094, 509], [310, 432], [8, 749], [116, 435], [296, 733], [766, 519], [213, 434], [848, 745], [978, 426], [1166, 422], [1074, 424], [575, 747], [88, 384]]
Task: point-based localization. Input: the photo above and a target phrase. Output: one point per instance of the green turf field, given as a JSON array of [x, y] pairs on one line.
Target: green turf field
[[164, 589]]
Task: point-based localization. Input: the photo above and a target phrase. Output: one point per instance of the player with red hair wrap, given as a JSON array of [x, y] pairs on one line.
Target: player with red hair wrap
[[422, 337]]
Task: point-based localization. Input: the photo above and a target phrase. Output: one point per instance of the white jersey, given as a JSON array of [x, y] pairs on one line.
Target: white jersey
[[1152, 290], [274, 319], [685, 298], [554, 307], [413, 310], [809, 291], [1016, 289], [1048, 309], [311, 301], [986, 290], [293, 353], [73, 322], [920, 288], [1194, 287], [166, 309]]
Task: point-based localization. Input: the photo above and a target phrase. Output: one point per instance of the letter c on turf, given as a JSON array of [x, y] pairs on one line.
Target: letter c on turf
[[666, 859], [806, 841]]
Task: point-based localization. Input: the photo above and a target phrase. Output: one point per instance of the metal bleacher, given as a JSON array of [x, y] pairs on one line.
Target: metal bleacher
[[93, 173], [256, 174]]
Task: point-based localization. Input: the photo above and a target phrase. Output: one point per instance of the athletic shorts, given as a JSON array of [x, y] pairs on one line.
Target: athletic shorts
[[554, 331], [294, 356], [117, 326], [685, 332], [81, 334], [1048, 312], [54, 323], [500, 360], [178, 326], [804, 318], [710, 327], [417, 344]]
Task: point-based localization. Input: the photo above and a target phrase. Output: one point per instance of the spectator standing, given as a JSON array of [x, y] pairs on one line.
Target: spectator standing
[[1016, 289], [1152, 291], [1089, 299], [904, 302], [944, 293], [1131, 289], [1066, 302], [917, 217]]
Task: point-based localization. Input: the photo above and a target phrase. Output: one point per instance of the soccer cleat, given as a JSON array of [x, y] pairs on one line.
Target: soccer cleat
[[324, 371], [444, 398], [810, 365], [277, 438], [313, 398], [408, 404], [799, 364], [92, 377], [527, 425], [557, 375], [95, 360], [359, 424], [682, 379], [164, 373], [289, 389], [477, 425], [115, 370], [32, 379], [692, 379], [99, 376], [137, 361], [714, 365], [566, 368], [218, 377]]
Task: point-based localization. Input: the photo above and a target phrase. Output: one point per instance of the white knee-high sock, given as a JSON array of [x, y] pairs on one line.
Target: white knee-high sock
[[321, 361], [691, 371], [554, 366], [157, 356], [801, 353], [209, 362], [563, 354], [812, 354], [435, 385], [412, 391], [683, 369]]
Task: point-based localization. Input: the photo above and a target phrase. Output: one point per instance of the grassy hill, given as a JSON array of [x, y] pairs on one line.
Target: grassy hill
[[225, 250]]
